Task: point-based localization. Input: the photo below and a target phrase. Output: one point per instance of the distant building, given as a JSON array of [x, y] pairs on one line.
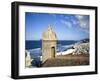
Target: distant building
[[49, 41]]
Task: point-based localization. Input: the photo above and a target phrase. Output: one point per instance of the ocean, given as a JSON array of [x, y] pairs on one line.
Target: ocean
[[38, 43]]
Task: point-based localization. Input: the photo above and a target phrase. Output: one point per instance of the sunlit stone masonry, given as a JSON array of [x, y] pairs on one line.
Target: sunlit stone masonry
[[28, 59], [49, 40]]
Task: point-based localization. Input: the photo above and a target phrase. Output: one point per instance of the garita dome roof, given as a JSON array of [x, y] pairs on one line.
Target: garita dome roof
[[49, 34]]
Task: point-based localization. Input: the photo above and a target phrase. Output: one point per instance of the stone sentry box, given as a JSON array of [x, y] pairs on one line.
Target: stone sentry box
[[49, 41]]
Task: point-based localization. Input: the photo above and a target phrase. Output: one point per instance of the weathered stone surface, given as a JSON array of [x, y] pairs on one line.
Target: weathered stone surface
[[28, 59], [67, 60], [49, 40]]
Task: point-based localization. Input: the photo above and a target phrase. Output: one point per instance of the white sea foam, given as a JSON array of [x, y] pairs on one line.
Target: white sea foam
[[35, 49], [69, 51]]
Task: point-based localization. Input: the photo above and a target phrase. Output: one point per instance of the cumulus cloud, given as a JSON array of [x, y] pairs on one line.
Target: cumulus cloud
[[82, 21], [66, 23], [80, 17]]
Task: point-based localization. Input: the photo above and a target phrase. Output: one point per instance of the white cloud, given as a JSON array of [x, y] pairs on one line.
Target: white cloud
[[74, 22], [82, 22], [80, 17], [66, 23]]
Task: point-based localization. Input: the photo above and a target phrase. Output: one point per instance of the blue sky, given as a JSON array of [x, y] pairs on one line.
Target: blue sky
[[66, 26]]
